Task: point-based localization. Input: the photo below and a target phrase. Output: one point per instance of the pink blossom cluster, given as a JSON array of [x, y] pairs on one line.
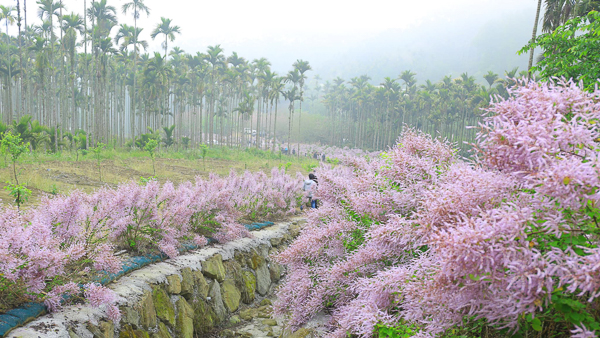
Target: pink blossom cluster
[[333, 152], [418, 236], [63, 232]]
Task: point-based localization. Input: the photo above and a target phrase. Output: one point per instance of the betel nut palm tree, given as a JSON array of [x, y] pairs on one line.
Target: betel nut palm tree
[[165, 28], [138, 7], [302, 67]]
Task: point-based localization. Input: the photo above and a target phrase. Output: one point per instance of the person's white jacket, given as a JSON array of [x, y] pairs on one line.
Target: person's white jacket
[[308, 186]]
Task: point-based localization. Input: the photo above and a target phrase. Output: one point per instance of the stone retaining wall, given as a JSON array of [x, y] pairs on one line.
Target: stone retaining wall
[[192, 295]]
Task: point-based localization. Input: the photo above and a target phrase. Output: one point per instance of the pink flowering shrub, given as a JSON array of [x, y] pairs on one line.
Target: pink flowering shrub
[[416, 238], [333, 153], [45, 251]]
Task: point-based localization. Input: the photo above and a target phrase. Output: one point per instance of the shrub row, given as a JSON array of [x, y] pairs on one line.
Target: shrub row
[[54, 252], [420, 243]]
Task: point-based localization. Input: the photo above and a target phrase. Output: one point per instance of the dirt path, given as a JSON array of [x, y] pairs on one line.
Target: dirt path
[[258, 322]]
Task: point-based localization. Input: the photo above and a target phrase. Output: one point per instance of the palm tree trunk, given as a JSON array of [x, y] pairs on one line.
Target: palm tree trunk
[[231, 119], [251, 127], [535, 26], [132, 105], [200, 118], [290, 127], [21, 108], [9, 82], [211, 120], [299, 118], [275, 125], [85, 108], [269, 123], [258, 109]]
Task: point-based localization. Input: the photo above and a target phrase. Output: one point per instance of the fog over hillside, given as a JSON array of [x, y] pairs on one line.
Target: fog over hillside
[[381, 38], [433, 51], [430, 48]]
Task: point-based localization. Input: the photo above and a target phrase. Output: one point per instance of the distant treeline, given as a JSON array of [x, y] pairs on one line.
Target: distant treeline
[[372, 116], [86, 73]]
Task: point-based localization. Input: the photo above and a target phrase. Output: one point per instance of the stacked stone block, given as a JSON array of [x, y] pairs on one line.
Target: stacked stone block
[[192, 301]]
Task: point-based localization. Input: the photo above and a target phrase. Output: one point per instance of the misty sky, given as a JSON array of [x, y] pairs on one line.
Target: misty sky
[[347, 38]]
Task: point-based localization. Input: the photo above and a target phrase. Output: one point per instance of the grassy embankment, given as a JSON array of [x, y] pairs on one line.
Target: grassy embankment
[[61, 173]]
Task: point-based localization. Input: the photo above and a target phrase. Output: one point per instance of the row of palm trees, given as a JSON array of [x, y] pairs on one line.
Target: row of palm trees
[[370, 116], [90, 73]]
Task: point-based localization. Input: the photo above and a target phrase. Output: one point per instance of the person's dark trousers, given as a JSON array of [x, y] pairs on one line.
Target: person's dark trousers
[[313, 204]]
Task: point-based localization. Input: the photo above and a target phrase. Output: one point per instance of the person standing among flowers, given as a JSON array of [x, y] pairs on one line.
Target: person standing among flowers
[[309, 185]]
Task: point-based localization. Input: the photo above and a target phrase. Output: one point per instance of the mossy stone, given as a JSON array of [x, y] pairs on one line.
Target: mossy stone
[[275, 241], [263, 279], [164, 308], [275, 271], [234, 320], [216, 300], [187, 282], [163, 331], [205, 317], [231, 295], [174, 284], [295, 230], [301, 333], [130, 316], [185, 319], [241, 258], [129, 332], [147, 311], [248, 287], [96, 333], [248, 314], [269, 322], [233, 271], [213, 268], [201, 284], [256, 260], [108, 329]]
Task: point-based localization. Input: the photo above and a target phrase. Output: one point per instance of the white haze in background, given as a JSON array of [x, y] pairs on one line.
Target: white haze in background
[[346, 38]]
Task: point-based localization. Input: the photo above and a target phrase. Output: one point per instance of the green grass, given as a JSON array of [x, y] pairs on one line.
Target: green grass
[[45, 173]]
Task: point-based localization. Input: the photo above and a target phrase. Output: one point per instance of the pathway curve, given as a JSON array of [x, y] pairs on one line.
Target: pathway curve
[[258, 322]]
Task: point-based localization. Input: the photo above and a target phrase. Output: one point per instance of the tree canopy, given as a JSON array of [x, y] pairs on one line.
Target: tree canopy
[[571, 50]]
